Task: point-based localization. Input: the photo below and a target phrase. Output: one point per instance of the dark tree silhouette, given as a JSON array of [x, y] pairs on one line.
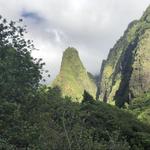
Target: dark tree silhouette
[[87, 97]]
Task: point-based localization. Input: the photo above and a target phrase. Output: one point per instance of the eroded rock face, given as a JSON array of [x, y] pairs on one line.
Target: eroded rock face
[[73, 78], [126, 72]]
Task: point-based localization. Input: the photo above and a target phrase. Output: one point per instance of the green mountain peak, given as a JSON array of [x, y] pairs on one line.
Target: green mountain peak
[[71, 61], [73, 78]]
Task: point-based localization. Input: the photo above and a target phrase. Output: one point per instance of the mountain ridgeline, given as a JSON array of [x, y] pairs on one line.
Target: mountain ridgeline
[[126, 72], [73, 78]]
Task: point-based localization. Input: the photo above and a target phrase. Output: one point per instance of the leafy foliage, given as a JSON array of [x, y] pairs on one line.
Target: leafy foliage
[[20, 73], [19, 80], [68, 125]]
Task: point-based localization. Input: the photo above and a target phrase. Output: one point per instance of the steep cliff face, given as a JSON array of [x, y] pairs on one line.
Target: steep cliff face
[[73, 78], [126, 72]]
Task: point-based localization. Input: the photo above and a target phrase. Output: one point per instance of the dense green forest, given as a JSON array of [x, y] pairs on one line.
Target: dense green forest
[[39, 117]]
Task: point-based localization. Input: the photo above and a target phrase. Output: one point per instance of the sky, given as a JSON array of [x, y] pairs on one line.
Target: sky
[[91, 26]]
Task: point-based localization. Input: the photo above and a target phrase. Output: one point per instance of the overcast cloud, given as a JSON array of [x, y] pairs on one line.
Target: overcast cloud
[[91, 26]]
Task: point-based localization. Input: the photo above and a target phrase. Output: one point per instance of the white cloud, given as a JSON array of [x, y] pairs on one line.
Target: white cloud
[[92, 26]]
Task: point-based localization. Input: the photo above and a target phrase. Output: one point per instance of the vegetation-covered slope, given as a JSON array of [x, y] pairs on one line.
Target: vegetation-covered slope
[[90, 126], [125, 74], [140, 107], [73, 78]]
